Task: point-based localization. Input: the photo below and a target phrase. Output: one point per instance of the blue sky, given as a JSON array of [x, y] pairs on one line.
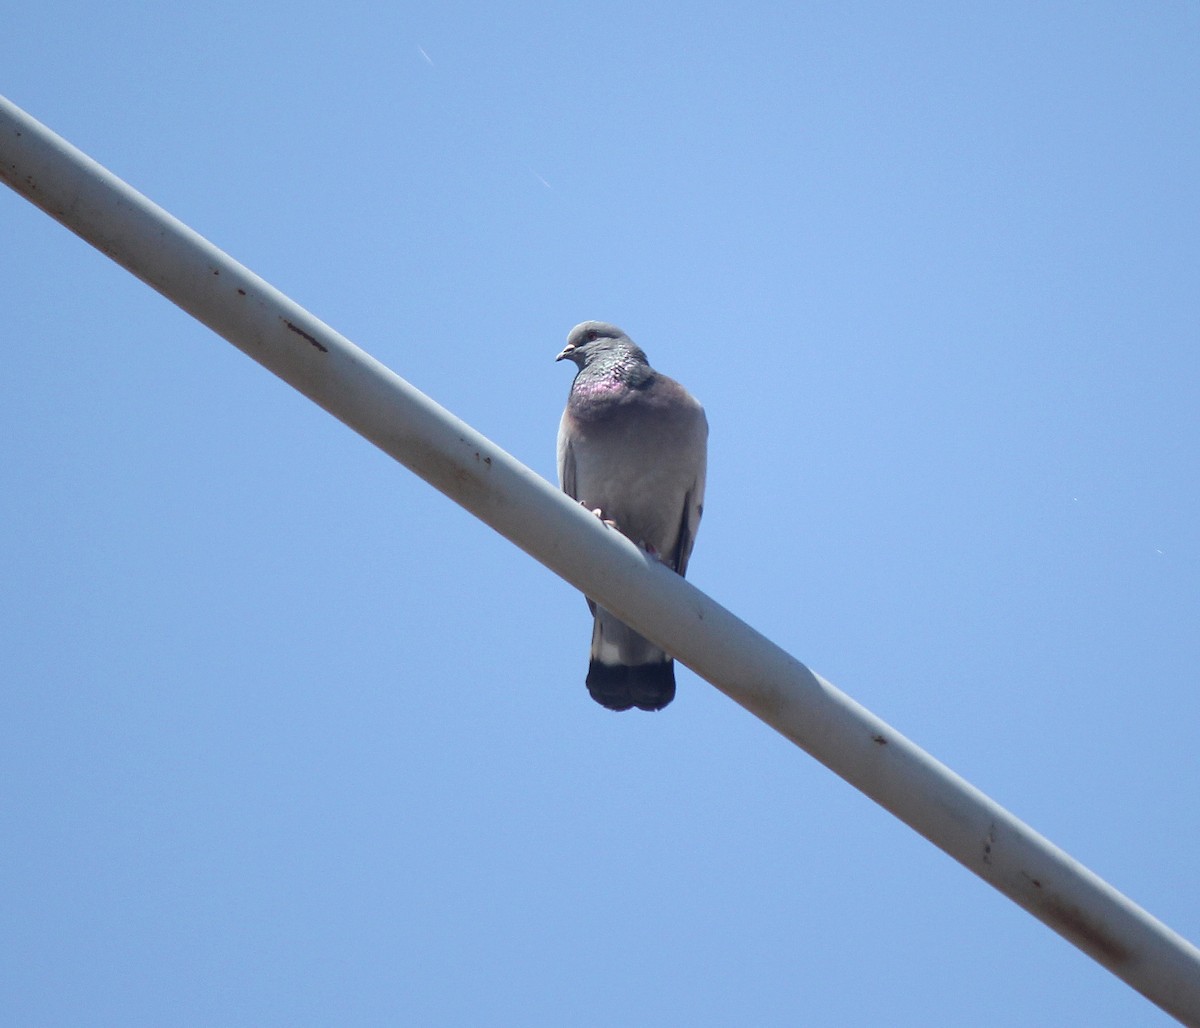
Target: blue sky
[[290, 739]]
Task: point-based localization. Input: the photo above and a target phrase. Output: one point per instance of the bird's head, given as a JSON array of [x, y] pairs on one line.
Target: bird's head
[[587, 340]]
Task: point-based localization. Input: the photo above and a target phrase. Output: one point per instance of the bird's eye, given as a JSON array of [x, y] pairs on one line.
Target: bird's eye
[[591, 335]]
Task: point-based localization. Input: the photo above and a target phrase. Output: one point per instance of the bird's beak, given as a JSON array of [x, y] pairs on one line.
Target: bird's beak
[[567, 351]]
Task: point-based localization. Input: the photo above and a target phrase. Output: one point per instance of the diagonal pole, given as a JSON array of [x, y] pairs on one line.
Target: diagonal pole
[[499, 490]]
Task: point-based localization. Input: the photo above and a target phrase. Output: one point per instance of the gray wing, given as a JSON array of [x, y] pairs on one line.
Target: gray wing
[[566, 460], [566, 471], [689, 524]]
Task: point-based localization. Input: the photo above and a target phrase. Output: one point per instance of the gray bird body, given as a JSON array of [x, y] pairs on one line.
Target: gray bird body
[[632, 444]]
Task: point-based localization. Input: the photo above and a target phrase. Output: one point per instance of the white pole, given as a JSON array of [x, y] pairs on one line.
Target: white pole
[[526, 509]]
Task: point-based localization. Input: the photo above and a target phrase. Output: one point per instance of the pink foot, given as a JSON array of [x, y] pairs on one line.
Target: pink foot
[[607, 522]]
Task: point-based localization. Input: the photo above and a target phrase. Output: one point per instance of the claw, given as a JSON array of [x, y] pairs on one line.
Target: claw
[[606, 522]]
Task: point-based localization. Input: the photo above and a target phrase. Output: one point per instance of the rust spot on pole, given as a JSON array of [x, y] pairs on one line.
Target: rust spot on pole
[[301, 332]]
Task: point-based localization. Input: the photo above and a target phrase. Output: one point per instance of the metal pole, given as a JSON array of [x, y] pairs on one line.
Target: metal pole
[[474, 472]]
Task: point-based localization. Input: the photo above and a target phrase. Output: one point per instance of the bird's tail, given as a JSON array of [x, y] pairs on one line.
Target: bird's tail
[[627, 670]]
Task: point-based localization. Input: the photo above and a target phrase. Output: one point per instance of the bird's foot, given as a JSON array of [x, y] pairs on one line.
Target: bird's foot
[[606, 522]]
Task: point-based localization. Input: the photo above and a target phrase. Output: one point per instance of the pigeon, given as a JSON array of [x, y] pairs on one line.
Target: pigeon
[[631, 448]]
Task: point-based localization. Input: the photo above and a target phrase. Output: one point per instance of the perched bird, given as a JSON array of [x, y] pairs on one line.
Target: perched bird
[[632, 447]]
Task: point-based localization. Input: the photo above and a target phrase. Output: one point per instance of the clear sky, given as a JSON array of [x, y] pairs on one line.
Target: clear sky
[[290, 739]]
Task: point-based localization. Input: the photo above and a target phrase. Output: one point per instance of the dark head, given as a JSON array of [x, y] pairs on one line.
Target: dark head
[[597, 339]]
